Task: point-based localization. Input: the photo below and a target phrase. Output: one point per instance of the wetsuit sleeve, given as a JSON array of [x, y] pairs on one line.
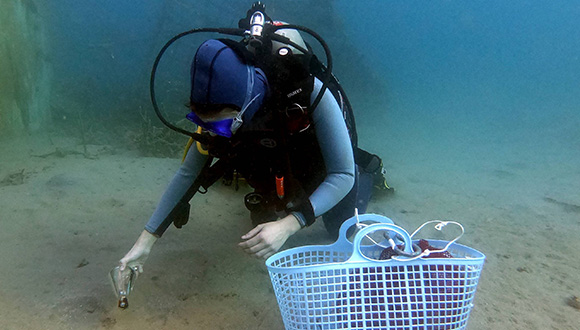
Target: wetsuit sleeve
[[337, 153], [178, 186]]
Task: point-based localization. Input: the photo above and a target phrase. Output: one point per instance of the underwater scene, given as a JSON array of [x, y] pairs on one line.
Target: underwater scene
[[473, 108]]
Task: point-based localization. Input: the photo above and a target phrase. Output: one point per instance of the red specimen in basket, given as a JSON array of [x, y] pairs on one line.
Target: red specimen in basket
[[424, 245], [388, 253]]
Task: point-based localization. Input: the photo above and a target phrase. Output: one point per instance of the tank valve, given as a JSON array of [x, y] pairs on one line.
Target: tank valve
[[256, 29]]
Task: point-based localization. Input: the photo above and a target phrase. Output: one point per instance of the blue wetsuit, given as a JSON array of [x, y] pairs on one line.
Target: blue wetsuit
[[335, 146]]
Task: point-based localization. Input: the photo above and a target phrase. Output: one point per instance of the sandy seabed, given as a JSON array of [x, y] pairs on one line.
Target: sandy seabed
[[66, 219]]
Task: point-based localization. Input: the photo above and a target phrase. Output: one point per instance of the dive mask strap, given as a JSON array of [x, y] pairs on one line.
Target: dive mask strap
[[238, 120]]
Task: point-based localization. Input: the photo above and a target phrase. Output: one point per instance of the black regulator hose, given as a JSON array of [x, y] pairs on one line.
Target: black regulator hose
[[204, 139], [196, 136]]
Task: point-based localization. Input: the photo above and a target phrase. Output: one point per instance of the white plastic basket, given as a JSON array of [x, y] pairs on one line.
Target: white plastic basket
[[345, 286]]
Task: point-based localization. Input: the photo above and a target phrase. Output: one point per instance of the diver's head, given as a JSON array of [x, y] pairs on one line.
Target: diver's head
[[225, 91]]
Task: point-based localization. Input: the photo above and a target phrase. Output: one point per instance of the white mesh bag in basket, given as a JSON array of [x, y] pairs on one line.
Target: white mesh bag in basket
[[345, 286]]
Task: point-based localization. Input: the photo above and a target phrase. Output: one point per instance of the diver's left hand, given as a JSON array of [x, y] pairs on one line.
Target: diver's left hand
[[267, 238]]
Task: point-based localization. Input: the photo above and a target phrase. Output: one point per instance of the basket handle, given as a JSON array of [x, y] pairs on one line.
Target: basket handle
[[347, 224], [439, 226], [357, 255]]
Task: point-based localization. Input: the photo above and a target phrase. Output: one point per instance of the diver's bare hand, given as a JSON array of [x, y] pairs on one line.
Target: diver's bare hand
[[139, 253], [267, 238]]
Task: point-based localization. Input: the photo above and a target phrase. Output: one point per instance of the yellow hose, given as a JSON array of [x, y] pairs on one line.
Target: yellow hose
[[190, 142], [187, 146], [199, 146]]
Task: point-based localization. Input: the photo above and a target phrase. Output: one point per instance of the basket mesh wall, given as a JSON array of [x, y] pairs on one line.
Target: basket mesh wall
[[401, 296]]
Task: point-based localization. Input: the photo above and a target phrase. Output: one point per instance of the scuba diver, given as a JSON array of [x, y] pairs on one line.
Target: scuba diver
[[268, 111]]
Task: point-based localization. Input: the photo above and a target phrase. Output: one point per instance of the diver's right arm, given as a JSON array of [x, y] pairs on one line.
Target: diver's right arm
[[182, 180], [159, 221]]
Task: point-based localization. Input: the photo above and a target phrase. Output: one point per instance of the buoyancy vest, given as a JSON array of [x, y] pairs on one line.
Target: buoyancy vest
[[273, 144]]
